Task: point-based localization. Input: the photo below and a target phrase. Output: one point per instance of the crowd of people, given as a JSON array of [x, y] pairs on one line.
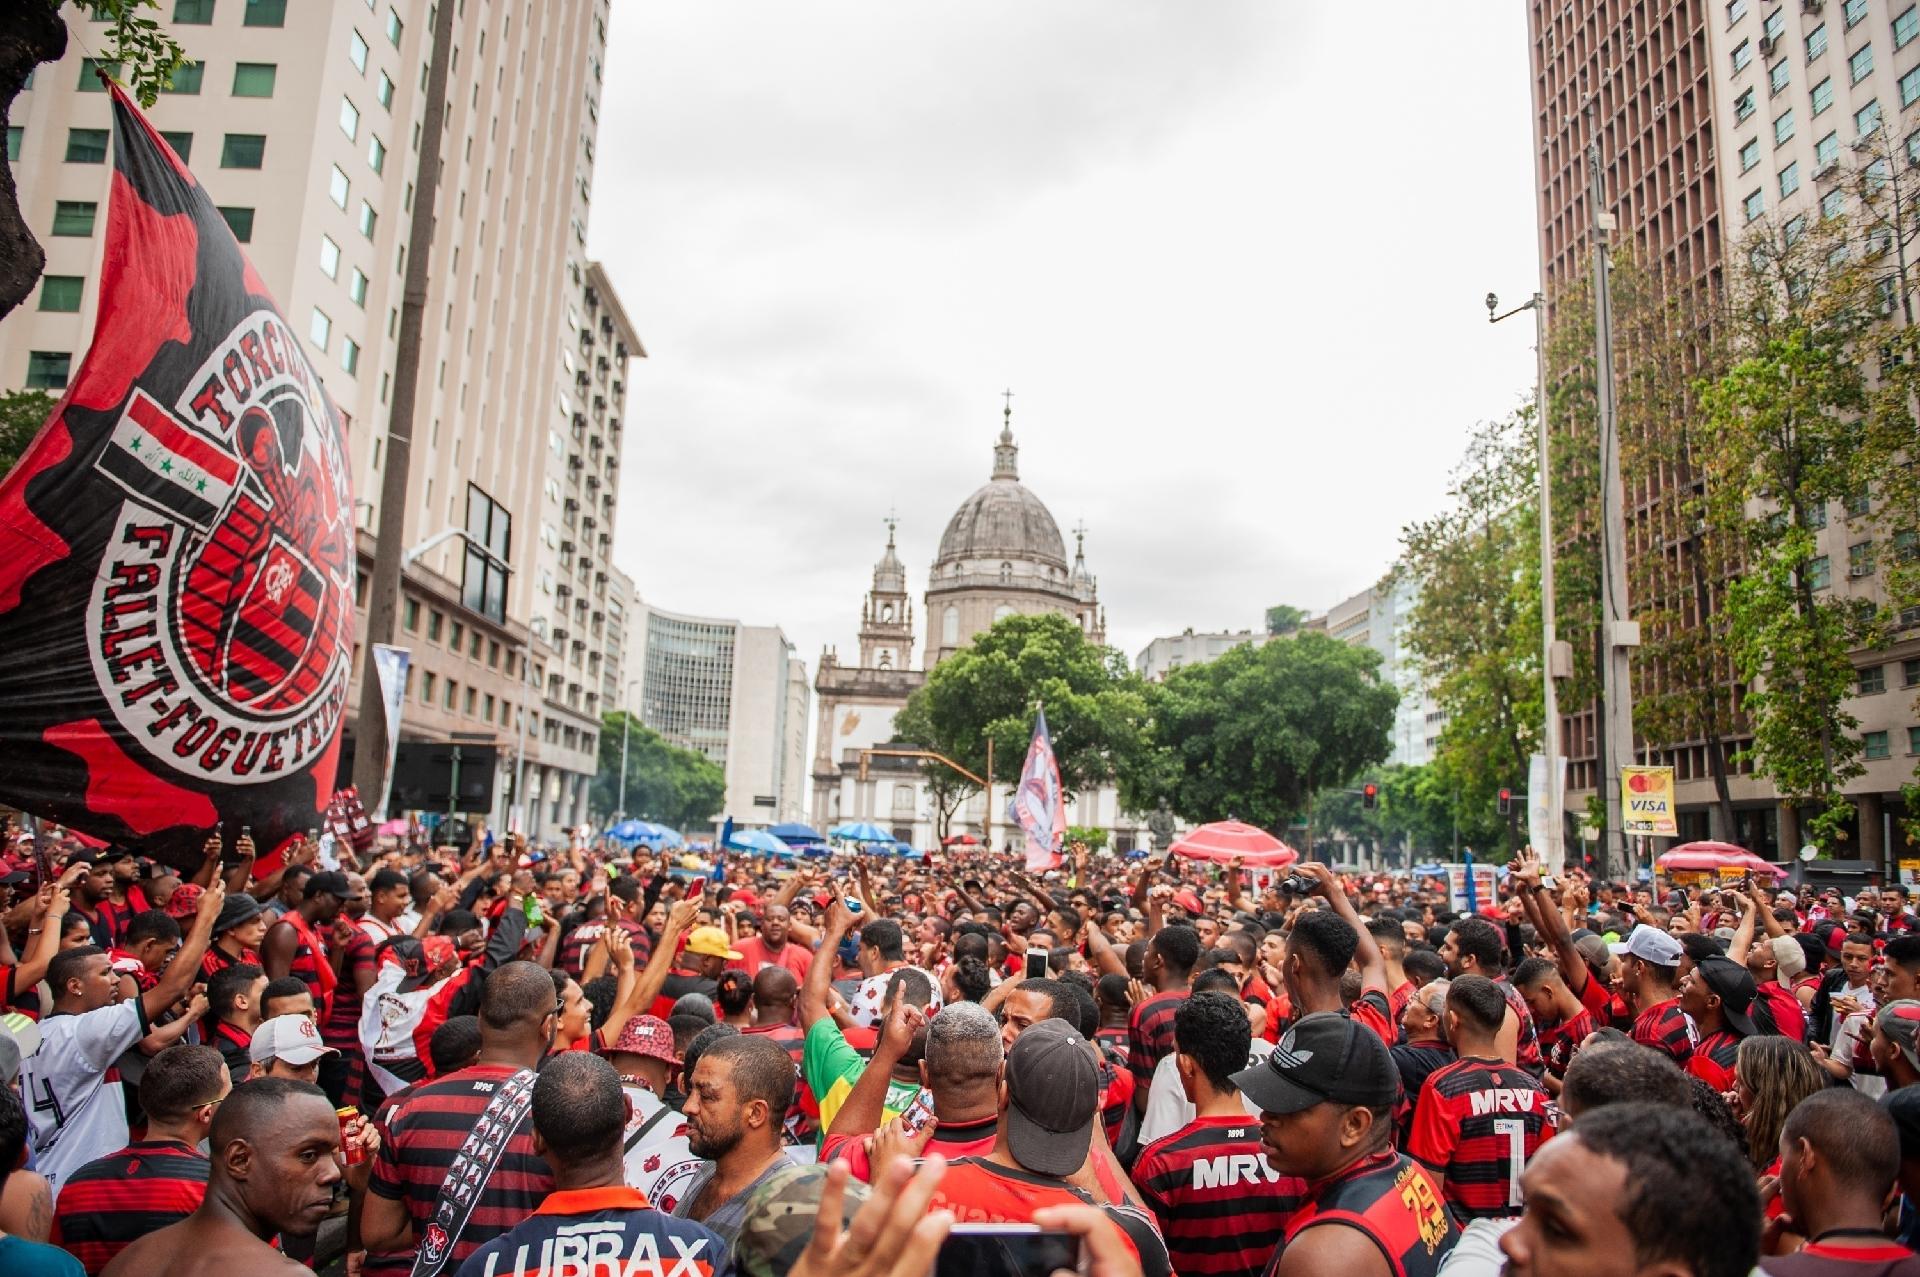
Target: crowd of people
[[505, 1059]]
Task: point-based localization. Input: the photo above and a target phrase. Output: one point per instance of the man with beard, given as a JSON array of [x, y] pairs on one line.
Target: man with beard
[[773, 947], [736, 1101], [294, 946], [275, 1160], [458, 1167]]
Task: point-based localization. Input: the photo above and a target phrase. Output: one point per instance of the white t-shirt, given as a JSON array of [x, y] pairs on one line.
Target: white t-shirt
[[660, 1164], [71, 1087], [866, 1001], [1847, 1040], [1167, 1107]]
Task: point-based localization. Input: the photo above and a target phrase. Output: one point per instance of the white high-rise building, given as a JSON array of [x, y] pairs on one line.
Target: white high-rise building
[[301, 118]]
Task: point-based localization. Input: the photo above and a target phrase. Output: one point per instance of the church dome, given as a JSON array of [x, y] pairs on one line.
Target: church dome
[[1003, 519]]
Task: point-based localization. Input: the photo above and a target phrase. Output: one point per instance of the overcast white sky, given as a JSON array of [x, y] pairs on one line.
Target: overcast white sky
[[1228, 254]]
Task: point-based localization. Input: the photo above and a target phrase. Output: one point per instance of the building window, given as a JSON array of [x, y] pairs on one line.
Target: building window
[[1823, 95], [434, 621], [243, 150], [1743, 105], [350, 355], [471, 697], [1831, 204], [91, 69], [192, 13], [1866, 121], [16, 134], [61, 292], [1783, 127], [1906, 26], [483, 584], [329, 258], [1910, 87], [1750, 154], [1826, 151], [1856, 10], [1910, 673], [1777, 76], [384, 91], [1755, 204], [453, 694], [338, 186], [1913, 740], [1860, 65], [48, 369], [376, 154], [1819, 572], [357, 288], [394, 27], [74, 217], [320, 328], [1736, 10], [1776, 23], [1874, 745], [1742, 54], [357, 52], [411, 613], [1859, 504], [86, 146], [1816, 42], [456, 636], [1871, 680], [187, 77], [350, 119], [182, 144], [266, 13], [428, 685], [1789, 179], [240, 222], [254, 79], [368, 219]]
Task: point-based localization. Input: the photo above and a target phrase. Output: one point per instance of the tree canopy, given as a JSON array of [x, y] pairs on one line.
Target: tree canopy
[[665, 784], [1284, 618], [22, 413]]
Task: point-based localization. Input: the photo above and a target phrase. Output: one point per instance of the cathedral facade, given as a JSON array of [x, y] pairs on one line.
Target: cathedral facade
[[1001, 553]]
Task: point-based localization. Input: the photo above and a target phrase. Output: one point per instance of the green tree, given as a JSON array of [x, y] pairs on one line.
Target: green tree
[[1784, 439], [1284, 618], [1256, 733], [135, 48], [1412, 818], [1476, 628], [22, 413], [1097, 710], [665, 784]]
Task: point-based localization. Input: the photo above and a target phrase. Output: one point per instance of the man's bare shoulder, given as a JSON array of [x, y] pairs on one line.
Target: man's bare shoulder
[[1332, 1248], [193, 1248]]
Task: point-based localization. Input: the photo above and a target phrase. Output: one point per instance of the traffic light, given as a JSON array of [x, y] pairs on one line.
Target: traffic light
[[1506, 802], [1369, 795]]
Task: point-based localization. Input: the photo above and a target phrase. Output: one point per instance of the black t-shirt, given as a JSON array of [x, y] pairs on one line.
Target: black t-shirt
[[1890, 1260]]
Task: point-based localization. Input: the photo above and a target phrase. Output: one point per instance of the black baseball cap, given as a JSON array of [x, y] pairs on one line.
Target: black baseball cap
[[1053, 1097], [1325, 1058], [329, 882], [1903, 1106], [1732, 984]]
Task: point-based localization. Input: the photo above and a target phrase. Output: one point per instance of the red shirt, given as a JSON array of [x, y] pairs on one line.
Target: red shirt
[[981, 1192], [1666, 1028], [1789, 1017], [112, 1202], [755, 953], [1150, 1034], [1560, 1041], [1221, 1207], [1477, 1124], [1712, 1060]]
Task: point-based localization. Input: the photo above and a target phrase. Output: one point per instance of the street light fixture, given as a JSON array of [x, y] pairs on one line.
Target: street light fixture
[[1553, 854], [626, 730]]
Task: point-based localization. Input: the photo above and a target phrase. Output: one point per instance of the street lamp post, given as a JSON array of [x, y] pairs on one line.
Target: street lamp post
[[522, 822], [1554, 853], [626, 730]]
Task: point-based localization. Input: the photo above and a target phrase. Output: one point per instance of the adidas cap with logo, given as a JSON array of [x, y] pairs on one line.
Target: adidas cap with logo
[[1325, 1058]]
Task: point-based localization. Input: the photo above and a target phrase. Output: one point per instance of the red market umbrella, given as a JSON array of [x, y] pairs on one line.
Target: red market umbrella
[[961, 840], [1229, 842], [1710, 857]]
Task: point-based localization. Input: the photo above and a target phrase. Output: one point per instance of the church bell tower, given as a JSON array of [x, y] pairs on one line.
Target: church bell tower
[[886, 618]]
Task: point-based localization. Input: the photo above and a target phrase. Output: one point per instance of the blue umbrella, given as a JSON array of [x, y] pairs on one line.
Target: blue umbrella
[[797, 833], [861, 832], [758, 840], [630, 831]]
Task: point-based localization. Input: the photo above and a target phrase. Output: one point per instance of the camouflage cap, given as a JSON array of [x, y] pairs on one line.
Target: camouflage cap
[[780, 1217]]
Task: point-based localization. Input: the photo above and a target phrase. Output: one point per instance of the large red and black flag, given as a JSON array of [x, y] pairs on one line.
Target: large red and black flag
[[176, 547]]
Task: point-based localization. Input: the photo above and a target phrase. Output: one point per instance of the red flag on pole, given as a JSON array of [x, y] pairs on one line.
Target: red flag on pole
[[1038, 805], [176, 547]]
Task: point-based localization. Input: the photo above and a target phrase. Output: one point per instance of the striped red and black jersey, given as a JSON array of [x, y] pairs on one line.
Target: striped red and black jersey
[[1527, 1045], [803, 1115], [1476, 1125], [1712, 1060], [306, 963], [1150, 1035], [1606, 1007], [1666, 1028], [1392, 1200], [572, 957], [114, 1201], [1114, 1036], [424, 1132], [1398, 999], [217, 960], [1222, 1208], [107, 922], [1558, 1042], [127, 964], [341, 1027], [1116, 1093]]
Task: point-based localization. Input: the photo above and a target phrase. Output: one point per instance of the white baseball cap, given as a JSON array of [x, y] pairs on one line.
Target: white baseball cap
[[1650, 944], [288, 1037]]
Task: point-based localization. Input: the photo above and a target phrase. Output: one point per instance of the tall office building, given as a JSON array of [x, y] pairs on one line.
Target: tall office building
[[736, 693], [302, 121], [1712, 115]]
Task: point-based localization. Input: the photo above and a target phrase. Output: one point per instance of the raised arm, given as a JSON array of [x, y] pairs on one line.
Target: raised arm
[[180, 973], [43, 937], [865, 1106], [1373, 966], [819, 982], [1742, 941]]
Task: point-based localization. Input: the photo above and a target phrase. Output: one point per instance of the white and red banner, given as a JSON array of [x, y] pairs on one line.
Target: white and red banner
[[1038, 804]]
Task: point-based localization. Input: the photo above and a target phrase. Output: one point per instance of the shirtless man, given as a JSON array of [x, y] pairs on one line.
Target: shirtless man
[[275, 1150]]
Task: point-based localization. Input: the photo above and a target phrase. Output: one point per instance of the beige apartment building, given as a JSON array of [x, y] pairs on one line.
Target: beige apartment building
[[1713, 115], [301, 118]]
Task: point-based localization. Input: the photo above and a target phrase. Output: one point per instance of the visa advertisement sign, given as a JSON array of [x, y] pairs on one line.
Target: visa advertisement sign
[[1646, 801]]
